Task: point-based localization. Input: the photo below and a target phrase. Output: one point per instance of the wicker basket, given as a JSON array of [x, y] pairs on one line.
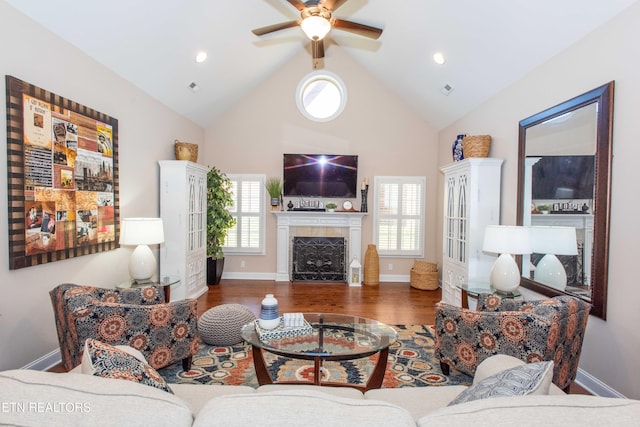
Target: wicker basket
[[426, 281], [424, 266], [424, 275], [186, 151], [476, 146]]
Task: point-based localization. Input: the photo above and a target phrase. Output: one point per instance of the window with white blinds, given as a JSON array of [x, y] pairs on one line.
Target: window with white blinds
[[398, 215], [247, 236]]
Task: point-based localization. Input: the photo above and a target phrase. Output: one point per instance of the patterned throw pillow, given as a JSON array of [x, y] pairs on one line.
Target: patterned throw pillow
[[104, 360], [532, 378]]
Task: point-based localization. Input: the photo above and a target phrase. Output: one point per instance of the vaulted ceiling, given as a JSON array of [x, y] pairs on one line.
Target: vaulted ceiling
[[487, 44]]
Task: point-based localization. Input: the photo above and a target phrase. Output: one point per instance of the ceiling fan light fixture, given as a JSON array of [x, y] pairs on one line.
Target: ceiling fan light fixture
[[315, 27]]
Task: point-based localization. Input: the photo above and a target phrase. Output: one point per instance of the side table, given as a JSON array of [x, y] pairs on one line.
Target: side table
[[473, 289], [166, 282]]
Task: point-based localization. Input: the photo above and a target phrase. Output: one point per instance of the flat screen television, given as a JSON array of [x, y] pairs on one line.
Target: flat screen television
[[320, 175], [564, 177]]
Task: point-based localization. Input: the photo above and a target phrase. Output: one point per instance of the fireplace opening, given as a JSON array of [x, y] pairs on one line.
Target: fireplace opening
[[319, 259]]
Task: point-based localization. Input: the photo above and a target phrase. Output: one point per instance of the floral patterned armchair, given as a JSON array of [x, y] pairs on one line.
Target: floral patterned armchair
[[533, 331], [165, 333]]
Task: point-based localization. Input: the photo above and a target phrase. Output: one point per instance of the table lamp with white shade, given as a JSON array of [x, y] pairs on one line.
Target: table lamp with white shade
[[142, 232], [506, 240], [552, 241]]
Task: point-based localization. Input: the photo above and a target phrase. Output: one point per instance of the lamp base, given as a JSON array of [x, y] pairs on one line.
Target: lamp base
[[142, 264], [550, 271], [505, 275]]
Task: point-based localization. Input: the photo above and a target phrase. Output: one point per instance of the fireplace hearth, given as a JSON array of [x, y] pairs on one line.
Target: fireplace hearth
[[318, 259]]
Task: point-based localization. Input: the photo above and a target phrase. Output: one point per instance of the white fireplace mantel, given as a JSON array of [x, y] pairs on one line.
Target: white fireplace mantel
[[288, 219]]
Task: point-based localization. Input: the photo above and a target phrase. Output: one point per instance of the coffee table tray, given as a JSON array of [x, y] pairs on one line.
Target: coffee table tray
[[281, 331]]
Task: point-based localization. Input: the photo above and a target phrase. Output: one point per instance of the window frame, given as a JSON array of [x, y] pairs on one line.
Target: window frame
[[235, 212], [378, 181]]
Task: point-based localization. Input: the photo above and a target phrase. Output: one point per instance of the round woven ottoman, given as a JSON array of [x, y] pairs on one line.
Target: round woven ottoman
[[221, 325]]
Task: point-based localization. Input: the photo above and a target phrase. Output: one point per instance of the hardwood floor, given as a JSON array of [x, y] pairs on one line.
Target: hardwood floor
[[391, 303]]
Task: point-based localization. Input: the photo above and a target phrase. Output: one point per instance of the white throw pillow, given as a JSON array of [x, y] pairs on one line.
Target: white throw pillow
[[531, 378]]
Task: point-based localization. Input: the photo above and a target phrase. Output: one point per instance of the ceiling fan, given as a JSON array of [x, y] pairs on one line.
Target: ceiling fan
[[316, 20]]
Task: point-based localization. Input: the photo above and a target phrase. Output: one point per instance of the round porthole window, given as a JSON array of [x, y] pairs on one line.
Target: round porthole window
[[321, 96]]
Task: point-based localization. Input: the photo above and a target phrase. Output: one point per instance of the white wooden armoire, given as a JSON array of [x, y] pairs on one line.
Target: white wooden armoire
[[183, 208], [471, 202]]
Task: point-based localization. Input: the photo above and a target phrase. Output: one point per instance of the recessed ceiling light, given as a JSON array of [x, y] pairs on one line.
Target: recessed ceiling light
[[201, 57], [439, 58]]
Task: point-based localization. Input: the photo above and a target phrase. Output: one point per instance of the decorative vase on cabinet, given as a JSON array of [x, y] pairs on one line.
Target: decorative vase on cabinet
[[183, 204], [471, 202]]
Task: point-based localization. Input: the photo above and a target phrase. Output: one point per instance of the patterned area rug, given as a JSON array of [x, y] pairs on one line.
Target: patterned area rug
[[411, 364]]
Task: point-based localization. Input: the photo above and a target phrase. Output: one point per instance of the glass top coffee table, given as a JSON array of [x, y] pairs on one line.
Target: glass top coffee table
[[333, 337]]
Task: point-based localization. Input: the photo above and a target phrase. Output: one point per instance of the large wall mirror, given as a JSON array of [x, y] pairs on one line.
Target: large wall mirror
[[564, 180]]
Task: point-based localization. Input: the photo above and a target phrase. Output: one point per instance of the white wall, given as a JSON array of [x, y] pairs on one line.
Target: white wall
[[610, 351], [388, 137], [147, 131]]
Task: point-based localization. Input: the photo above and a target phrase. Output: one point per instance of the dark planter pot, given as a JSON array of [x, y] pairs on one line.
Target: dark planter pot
[[214, 270]]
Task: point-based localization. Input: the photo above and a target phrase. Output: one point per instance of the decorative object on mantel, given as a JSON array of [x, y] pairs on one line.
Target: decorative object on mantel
[[424, 275], [457, 148], [476, 145], [355, 273], [371, 266], [274, 188], [331, 207], [186, 151], [365, 191]]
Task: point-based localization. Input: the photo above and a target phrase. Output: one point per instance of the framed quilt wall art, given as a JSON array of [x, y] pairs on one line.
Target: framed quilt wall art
[[62, 173]]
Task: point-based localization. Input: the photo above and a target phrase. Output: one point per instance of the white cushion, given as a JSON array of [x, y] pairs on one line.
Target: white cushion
[[36, 398], [531, 378], [535, 411], [419, 401], [291, 408]]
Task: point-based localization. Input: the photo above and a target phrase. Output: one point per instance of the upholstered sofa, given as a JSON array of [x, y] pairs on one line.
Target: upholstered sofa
[[33, 398]]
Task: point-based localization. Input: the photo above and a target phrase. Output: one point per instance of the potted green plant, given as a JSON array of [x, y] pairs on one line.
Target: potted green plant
[[219, 220], [331, 206], [274, 188], [544, 209]]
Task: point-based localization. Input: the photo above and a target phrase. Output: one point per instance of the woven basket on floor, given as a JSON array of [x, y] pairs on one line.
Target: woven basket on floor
[[426, 281], [424, 275], [476, 146]]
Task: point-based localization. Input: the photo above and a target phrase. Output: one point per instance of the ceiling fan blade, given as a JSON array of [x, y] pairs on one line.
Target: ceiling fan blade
[[297, 4], [332, 5], [317, 49], [276, 27], [360, 29]]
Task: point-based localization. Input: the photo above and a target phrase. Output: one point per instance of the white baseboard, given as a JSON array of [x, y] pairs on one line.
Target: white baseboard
[[45, 362], [595, 386], [248, 276]]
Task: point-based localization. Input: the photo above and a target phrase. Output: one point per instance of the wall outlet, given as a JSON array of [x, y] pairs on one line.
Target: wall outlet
[[390, 267], [243, 264]]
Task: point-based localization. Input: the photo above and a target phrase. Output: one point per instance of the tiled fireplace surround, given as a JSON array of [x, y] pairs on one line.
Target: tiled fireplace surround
[[316, 224]]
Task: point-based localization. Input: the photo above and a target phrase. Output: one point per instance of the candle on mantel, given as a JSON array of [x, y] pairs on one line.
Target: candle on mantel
[[363, 186], [366, 181]]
